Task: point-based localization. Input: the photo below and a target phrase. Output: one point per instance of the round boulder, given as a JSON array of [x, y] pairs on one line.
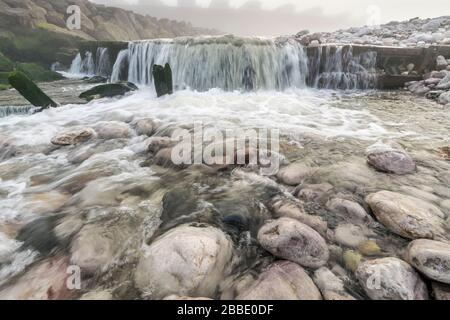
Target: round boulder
[[74, 136], [189, 260], [391, 279], [407, 216], [282, 280], [294, 241], [432, 258]]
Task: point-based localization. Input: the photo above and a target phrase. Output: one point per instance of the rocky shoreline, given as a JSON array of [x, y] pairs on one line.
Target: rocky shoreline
[[188, 251]]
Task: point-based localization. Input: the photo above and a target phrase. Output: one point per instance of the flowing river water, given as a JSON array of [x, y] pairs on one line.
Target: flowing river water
[[111, 191]]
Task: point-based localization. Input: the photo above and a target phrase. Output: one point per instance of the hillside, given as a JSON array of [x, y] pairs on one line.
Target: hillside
[[98, 22]]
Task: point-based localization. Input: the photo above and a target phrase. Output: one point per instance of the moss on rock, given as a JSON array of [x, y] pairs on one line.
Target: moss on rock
[[37, 73], [108, 90], [29, 90], [5, 63]]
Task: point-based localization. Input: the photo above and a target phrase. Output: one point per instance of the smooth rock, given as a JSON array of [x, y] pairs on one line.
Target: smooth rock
[[282, 280], [407, 216], [112, 130], [189, 260], [330, 285], [294, 241], [350, 210], [315, 192], [444, 98], [441, 63], [391, 279], [145, 126], [349, 235], [96, 246], [389, 159], [432, 258], [294, 174], [295, 211], [352, 260], [97, 296], [46, 280], [72, 137], [441, 291]]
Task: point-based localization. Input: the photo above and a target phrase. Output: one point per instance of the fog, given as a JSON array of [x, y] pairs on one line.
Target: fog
[[278, 17]]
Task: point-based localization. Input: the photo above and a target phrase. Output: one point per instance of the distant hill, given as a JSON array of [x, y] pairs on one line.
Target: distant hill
[[98, 22]]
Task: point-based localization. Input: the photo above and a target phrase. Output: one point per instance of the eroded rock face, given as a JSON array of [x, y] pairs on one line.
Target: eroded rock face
[[75, 136], [432, 258], [407, 216], [44, 281], [330, 285], [391, 279], [294, 241], [294, 174], [282, 280], [189, 260]]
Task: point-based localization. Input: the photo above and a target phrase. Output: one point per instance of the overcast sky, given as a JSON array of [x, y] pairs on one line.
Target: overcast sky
[[279, 17]]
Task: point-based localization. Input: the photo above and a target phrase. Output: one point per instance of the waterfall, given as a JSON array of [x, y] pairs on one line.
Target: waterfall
[[9, 110], [120, 68], [232, 63], [336, 67], [84, 65], [103, 64]]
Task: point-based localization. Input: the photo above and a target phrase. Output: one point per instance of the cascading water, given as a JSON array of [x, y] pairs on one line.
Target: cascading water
[[336, 67], [103, 64], [231, 63], [202, 64], [120, 68], [83, 65]]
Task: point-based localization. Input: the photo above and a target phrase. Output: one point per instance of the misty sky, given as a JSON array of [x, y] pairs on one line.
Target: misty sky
[[280, 17]]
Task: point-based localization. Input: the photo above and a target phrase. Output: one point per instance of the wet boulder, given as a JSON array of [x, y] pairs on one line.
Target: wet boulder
[[189, 260], [108, 90], [295, 211], [294, 174], [441, 63], [112, 130], [74, 136], [282, 280], [407, 216], [349, 210], [144, 126], [46, 280], [390, 159], [432, 258], [30, 91], [330, 285], [441, 291], [391, 279], [292, 240]]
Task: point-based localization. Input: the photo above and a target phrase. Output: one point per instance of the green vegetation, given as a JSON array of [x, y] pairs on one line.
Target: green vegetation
[[4, 87], [5, 63], [37, 73], [29, 90]]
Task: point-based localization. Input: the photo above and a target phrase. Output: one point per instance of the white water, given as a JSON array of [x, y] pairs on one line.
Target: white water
[[231, 63]]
